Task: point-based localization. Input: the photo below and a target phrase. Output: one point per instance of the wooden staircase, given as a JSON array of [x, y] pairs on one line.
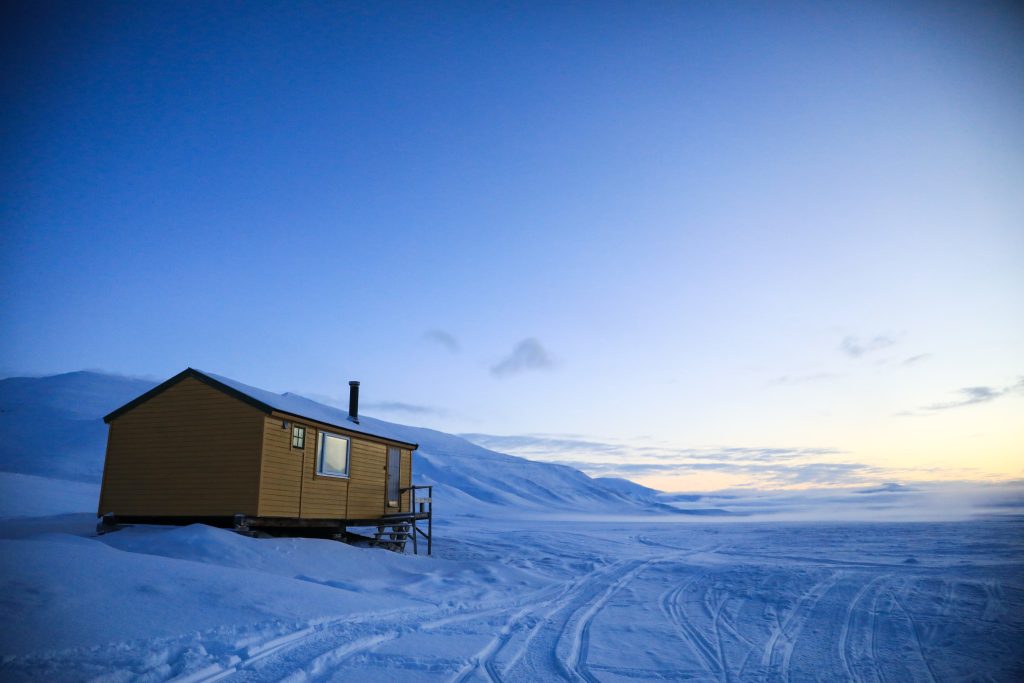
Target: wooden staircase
[[393, 531], [392, 536]]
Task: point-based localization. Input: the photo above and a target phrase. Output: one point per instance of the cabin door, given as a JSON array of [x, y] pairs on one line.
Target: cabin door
[[394, 470]]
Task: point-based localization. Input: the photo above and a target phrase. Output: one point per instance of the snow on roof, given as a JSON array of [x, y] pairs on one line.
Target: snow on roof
[[292, 404], [300, 406]]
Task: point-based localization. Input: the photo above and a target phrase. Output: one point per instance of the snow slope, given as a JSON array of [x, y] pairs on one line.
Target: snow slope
[[26, 495], [52, 426], [471, 478]]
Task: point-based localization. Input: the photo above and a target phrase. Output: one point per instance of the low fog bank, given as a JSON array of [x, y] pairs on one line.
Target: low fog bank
[[927, 501]]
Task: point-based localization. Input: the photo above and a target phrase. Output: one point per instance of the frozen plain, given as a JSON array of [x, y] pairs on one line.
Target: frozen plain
[[519, 594], [527, 601]]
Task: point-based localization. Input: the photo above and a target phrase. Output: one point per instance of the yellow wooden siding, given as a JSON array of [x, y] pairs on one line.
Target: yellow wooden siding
[[322, 497], [361, 496], [281, 470], [367, 481], [191, 450]]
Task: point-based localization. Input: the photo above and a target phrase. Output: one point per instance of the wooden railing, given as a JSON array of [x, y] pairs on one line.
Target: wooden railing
[[417, 508]]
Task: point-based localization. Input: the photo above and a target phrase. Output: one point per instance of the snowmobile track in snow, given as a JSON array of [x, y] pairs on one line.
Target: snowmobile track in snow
[[706, 616], [576, 597], [784, 636], [844, 636]]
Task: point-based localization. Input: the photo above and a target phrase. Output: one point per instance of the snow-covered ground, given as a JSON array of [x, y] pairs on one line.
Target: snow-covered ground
[[520, 601], [540, 573]]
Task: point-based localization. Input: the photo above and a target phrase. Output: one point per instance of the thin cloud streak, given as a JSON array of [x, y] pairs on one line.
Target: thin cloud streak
[[855, 347], [973, 395], [541, 442], [554, 445], [791, 380], [394, 407], [405, 408], [769, 466], [779, 474], [969, 396]]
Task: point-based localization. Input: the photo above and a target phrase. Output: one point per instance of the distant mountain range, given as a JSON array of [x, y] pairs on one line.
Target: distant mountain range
[[53, 427]]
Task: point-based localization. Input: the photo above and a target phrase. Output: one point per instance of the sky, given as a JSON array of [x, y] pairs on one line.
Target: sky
[[698, 245]]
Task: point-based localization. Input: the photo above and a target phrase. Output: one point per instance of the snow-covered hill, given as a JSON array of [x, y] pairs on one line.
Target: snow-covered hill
[[474, 477], [52, 427]]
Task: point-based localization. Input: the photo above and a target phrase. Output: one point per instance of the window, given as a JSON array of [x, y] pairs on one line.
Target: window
[[298, 437], [332, 455]]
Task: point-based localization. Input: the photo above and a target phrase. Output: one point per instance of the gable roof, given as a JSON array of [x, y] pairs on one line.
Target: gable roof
[[268, 401]]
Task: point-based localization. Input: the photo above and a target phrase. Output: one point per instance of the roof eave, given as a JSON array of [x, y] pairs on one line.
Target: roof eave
[[413, 446]]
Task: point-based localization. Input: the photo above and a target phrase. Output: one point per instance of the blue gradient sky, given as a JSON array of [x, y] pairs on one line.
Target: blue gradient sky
[[665, 229]]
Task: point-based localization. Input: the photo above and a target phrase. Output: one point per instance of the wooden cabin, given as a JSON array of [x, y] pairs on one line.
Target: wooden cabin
[[205, 448]]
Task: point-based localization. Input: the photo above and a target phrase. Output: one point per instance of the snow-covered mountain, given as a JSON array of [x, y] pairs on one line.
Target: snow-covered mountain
[[53, 427]]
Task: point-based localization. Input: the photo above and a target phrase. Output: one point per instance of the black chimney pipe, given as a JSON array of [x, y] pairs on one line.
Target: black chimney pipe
[[353, 401]]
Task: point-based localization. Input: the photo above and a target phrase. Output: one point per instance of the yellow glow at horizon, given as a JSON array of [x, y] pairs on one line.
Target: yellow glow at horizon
[[980, 443]]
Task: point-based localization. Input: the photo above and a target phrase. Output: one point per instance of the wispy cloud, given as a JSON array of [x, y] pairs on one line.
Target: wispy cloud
[[970, 396], [543, 443], [445, 339], [558, 445], [404, 408], [769, 475], [394, 407], [855, 347], [527, 355], [768, 466], [914, 360], [807, 378]]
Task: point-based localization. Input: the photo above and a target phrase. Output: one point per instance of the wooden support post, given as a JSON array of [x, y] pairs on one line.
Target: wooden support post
[[107, 523]]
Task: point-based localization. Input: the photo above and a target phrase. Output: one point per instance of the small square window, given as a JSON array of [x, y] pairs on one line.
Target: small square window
[[298, 437]]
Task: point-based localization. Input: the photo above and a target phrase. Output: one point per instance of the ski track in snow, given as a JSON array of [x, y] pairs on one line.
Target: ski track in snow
[[517, 622], [252, 655], [672, 608], [779, 649], [918, 645], [566, 620], [576, 662], [709, 611], [872, 638], [844, 636]]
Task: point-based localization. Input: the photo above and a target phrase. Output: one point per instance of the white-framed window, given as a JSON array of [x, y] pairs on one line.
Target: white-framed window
[[298, 436], [332, 455]]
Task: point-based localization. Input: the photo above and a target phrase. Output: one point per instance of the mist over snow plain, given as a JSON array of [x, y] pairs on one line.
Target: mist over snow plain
[[540, 573]]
